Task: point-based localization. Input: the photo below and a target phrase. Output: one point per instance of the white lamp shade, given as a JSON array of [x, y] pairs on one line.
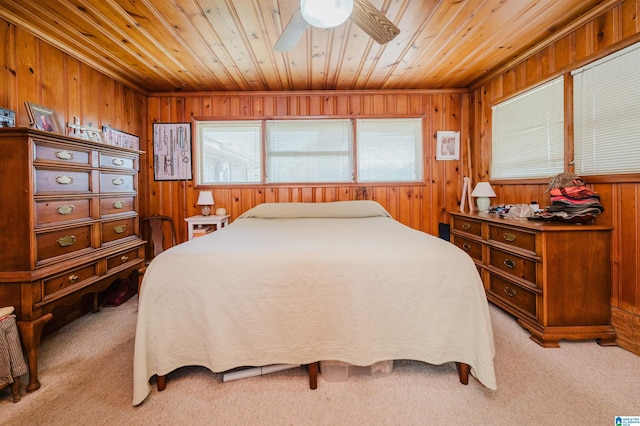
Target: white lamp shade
[[205, 198], [326, 13], [482, 192], [483, 189]]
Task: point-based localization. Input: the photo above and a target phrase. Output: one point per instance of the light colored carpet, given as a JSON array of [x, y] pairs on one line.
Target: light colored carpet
[[86, 367]]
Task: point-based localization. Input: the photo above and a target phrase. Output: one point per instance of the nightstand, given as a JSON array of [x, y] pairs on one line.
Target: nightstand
[[199, 221]]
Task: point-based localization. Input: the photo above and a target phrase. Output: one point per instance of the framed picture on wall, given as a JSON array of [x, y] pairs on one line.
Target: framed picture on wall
[[43, 118], [448, 146], [172, 151]]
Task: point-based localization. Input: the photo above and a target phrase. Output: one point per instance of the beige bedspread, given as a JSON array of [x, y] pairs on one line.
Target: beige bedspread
[[299, 289]]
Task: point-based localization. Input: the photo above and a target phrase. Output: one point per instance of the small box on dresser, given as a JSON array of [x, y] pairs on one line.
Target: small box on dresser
[[69, 227], [554, 278]]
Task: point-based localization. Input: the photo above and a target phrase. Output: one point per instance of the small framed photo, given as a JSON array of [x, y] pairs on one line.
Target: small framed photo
[[43, 118], [448, 146], [94, 135]]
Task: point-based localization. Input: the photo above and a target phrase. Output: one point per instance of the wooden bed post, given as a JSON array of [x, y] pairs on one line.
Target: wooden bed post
[[313, 375], [463, 372]]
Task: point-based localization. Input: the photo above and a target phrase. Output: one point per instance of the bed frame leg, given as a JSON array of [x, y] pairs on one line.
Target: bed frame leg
[[313, 375], [162, 383], [463, 372]]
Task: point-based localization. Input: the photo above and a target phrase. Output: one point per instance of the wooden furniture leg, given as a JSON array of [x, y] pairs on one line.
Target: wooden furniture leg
[[313, 375], [463, 372], [31, 332], [162, 382], [15, 389]]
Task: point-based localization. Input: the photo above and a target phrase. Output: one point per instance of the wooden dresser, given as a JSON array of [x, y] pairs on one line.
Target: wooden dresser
[[554, 278], [69, 226]]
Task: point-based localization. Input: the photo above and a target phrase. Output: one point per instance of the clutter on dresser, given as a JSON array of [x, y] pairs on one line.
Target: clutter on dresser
[[571, 200], [7, 118]]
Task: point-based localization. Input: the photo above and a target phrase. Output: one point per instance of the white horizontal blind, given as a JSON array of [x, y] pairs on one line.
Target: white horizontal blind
[[228, 152], [528, 133], [606, 108], [309, 151], [389, 150]]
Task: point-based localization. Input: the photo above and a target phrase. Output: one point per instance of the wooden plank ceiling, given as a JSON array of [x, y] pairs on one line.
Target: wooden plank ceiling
[[227, 45]]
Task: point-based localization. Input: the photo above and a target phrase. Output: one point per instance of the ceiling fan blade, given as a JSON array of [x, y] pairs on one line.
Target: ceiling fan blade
[[292, 33], [373, 22]]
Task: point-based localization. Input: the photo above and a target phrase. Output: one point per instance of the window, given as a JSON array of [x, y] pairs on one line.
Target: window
[[606, 108], [528, 134], [228, 152], [389, 150], [309, 151]]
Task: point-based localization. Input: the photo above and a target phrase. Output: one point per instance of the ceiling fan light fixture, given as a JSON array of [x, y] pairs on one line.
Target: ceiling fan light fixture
[[326, 14]]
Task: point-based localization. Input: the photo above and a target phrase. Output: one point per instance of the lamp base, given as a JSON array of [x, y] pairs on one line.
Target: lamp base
[[483, 204], [206, 210]]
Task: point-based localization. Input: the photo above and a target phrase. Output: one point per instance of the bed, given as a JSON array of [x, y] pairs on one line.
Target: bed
[[298, 283]]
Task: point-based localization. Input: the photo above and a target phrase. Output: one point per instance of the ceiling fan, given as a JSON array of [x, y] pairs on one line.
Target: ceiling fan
[[329, 14]]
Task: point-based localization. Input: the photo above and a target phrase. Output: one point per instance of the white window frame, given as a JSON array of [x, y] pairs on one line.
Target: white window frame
[[411, 143]]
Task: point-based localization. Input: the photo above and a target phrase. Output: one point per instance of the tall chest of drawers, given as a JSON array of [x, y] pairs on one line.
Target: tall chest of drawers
[[69, 226], [554, 278]]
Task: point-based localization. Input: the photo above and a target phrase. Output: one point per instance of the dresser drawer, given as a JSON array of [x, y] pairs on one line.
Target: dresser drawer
[[62, 242], [116, 205], [472, 248], [60, 154], [57, 211], [116, 161], [112, 182], [466, 225], [513, 294], [517, 266], [117, 229], [124, 258], [62, 181], [516, 238], [74, 277]]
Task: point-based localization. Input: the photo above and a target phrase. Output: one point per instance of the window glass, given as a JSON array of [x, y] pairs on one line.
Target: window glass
[[228, 152], [389, 150]]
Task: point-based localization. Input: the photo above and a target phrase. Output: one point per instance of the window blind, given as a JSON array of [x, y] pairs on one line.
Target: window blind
[[528, 133], [606, 108]]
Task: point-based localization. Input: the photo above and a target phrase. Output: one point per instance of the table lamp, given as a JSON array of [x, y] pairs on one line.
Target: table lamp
[[483, 192], [205, 199]]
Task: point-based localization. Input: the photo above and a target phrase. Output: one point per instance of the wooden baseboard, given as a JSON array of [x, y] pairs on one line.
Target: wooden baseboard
[[627, 327]]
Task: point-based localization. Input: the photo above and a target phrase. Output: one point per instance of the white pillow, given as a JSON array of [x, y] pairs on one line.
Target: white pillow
[[335, 209]]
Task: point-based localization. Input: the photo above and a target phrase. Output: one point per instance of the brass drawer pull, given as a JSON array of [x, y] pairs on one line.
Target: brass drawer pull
[[66, 209], [119, 229], [510, 292], [64, 180], [509, 263], [124, 258], [118, 181], [117, 162], [64, 155], [509, 237], [118, 205], [67, 240], [466, 246], [466, 226], [73, 278]]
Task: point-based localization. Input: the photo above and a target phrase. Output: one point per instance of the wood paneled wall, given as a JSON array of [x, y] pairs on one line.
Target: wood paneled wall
[[612, 30], [34, 71], [421, 206]]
